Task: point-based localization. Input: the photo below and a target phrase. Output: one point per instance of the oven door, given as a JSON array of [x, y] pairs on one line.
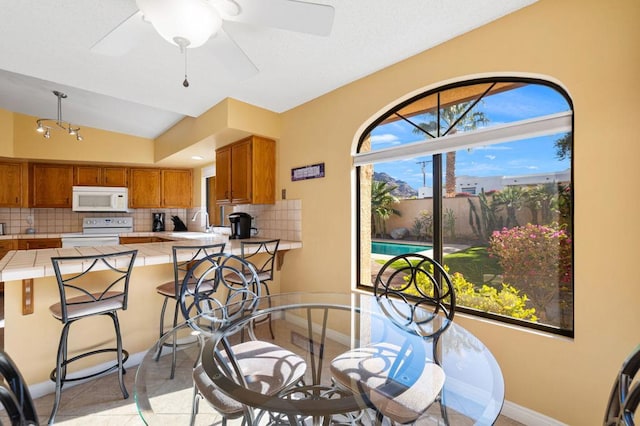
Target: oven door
[[90, 241]]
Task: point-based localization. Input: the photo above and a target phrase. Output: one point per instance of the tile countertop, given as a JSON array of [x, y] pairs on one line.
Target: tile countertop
[[25, 264]]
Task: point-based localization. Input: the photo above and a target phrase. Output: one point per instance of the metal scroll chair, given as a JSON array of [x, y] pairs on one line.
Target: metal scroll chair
[[262, 366], [183, 258], [399, 378], [14, 394], [625, 396], [90, 286], [261, 255]]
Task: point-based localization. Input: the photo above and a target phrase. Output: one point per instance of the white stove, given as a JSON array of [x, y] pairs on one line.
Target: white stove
[[98, 231]]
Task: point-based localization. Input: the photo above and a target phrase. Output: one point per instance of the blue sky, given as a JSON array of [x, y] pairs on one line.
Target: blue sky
[[531, 156]]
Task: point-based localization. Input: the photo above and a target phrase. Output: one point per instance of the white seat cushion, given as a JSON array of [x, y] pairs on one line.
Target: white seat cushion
[[402, 398], [267, 368], [111, 301], [168, 289]]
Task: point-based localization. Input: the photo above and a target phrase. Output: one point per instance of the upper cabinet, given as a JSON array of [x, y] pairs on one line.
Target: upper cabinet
[[87, 175], [13, 184], [144, 188], [160, 188], [177, 188], [245, 172], [50, 185]]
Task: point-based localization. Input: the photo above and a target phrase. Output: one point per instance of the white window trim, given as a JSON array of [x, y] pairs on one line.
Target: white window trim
[[535, 127]]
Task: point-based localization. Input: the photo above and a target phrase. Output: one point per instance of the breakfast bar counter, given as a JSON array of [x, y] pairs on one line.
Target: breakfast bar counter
[[31, 333]]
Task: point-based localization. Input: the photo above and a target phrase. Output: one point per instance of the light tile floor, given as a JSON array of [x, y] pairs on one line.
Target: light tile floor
[[99, 402]]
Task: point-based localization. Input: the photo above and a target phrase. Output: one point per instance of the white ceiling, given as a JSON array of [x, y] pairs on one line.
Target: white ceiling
[[46, 46]]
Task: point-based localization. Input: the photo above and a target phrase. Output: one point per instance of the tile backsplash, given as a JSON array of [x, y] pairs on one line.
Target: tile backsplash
[[280, 220], [56, 221]]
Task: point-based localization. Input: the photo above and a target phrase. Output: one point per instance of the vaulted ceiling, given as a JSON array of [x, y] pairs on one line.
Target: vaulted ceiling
[[47, 45]]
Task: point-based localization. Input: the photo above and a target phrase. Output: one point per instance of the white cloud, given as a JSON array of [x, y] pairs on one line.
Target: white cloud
[[490, 157], [386, 138]]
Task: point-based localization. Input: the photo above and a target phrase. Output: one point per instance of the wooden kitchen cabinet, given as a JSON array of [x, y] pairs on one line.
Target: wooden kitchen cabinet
[[39, 243], [160, 188], [223, 175], [6, 246], [87, 175], [145, 188], [13, 184], [177, 188], [50, 185], [142, 240], [245, 172]]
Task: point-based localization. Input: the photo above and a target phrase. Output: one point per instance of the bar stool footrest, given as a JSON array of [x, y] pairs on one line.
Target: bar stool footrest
[[125, 357]]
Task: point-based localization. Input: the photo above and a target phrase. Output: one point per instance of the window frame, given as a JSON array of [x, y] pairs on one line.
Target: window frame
[[438, 192]]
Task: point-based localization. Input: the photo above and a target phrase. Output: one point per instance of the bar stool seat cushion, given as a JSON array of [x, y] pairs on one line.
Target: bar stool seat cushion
[[404, 398], [82, 306], [168, 289], [267, 368], [262, 276]]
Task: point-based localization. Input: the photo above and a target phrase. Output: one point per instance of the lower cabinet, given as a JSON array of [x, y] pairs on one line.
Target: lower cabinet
[[39, 243], [142, 240]]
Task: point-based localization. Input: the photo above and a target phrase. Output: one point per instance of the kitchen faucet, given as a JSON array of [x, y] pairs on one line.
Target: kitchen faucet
[[208, 228]]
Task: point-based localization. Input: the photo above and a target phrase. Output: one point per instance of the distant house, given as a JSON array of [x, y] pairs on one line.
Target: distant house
[[476, 184]]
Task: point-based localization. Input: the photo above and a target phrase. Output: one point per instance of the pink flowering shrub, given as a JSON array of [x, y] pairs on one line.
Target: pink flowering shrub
[[536, 260]]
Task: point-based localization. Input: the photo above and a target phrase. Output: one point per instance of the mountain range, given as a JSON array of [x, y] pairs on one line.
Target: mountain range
[[403, 190]]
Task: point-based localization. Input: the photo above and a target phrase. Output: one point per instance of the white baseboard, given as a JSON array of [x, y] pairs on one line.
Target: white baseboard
[[526, 416], [44, 388]]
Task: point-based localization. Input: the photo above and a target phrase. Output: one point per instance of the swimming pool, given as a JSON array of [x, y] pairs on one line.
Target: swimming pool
[[394, 249]]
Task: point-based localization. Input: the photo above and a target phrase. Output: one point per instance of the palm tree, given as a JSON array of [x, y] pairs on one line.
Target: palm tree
[[453, 118], [382, 201], [512, 197]]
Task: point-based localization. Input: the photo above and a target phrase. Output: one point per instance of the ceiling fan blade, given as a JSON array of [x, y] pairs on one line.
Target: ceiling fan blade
[[231, 55], [302, 17], [123, 37]]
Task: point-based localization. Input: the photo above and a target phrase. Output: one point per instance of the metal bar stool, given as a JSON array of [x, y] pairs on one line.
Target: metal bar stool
[[218, 290], [89, 286], [183, 258], [261, 255]]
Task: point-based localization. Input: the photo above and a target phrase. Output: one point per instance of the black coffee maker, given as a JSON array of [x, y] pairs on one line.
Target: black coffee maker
[[240, 225], [158, 222]]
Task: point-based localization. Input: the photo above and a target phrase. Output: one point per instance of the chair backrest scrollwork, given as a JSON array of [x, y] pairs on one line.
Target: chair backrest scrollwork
[[416, 293], [218, 287]]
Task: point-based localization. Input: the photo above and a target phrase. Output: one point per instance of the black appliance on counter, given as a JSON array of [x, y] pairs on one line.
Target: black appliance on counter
[[178, 224], [240, 225], [158, 222]]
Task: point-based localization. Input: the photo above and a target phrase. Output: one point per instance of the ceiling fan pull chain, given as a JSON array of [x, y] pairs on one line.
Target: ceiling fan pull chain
[[185, 83]]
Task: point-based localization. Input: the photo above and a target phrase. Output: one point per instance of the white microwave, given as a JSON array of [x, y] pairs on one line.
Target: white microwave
[[100, 199]]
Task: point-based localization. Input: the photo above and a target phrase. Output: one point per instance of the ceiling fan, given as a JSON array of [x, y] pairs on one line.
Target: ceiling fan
[[194, 23]]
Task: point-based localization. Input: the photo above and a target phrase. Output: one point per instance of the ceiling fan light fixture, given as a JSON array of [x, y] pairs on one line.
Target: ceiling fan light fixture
[[192, 20]]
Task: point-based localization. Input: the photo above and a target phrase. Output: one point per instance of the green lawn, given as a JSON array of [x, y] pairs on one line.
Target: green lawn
[[475, 264]]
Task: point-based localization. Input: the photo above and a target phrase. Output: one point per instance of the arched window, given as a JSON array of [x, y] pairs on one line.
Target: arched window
[[478, 175]]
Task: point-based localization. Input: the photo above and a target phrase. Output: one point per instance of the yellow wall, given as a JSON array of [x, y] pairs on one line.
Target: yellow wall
[[104, 146], [6, 133], [226, 122], [592, 49]]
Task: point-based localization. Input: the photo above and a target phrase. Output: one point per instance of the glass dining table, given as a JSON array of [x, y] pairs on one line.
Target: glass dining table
[[318, 327]]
